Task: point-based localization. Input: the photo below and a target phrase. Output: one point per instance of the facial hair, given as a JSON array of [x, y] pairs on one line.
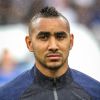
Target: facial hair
[[54, 68]]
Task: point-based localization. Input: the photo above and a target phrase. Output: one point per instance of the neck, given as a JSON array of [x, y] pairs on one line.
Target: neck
[[52, 73]]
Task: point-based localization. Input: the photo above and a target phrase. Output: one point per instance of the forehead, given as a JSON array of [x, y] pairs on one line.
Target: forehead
[[50, 24]]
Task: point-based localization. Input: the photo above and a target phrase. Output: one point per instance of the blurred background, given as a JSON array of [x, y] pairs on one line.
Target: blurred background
[[84, 18]]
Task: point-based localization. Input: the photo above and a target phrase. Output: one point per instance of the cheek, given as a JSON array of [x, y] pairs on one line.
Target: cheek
[[65, 47], [39, 49]]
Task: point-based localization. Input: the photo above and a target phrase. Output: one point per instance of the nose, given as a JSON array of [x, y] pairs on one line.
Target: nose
[[53, 44]]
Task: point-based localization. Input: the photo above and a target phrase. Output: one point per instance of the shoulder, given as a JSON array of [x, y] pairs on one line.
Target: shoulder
[[89, 84], [16, 87]]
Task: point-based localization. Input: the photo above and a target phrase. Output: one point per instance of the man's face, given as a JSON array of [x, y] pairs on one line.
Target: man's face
[[50, 41]]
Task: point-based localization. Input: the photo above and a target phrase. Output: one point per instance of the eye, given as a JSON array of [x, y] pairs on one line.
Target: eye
[[60, 35], [43, 36]]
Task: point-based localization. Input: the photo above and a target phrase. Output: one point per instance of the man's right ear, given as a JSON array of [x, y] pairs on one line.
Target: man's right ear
[[29, 43]]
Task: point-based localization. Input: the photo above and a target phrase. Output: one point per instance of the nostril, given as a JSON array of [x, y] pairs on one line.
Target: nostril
[[53, 50]]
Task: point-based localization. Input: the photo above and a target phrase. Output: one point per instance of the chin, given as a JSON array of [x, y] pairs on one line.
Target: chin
[[54, 66]]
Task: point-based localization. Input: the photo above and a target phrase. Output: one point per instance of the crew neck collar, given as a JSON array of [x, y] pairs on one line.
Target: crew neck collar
[[48, 82]]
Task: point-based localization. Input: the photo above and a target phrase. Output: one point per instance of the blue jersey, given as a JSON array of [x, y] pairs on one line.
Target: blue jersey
[[33, 85]]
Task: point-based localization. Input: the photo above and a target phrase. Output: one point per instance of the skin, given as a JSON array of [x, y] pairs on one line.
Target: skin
[[50, 41]]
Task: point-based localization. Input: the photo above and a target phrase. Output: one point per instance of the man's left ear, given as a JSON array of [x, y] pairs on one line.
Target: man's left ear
[[71, 40]]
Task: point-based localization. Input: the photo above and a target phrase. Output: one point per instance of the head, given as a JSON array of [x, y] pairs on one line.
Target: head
[[50, 39]]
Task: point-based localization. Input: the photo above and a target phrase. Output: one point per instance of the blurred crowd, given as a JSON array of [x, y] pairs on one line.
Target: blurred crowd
[[85, 12]]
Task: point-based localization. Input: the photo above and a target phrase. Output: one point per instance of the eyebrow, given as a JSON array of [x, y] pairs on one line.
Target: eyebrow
[[61, 32], [43, 33]]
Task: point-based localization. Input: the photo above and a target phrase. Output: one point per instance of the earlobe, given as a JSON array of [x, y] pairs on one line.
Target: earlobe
[[29, 43]]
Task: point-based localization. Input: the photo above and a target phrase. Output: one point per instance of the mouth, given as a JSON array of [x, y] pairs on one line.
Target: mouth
[[54, 56]]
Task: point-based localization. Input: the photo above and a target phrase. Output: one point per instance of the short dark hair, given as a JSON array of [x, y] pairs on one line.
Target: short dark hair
[[47, 12]]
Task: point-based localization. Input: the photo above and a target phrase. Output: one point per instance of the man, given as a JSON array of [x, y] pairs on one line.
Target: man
[[50, 78]]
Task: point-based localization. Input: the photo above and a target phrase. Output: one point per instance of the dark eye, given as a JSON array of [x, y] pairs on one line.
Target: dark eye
[[60, 35], [43, 36]]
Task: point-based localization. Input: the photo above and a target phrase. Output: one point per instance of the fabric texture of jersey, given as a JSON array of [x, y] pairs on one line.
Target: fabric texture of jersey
[[33, 85]]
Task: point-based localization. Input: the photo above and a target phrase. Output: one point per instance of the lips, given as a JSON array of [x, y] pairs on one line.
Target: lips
[[54, 56]]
